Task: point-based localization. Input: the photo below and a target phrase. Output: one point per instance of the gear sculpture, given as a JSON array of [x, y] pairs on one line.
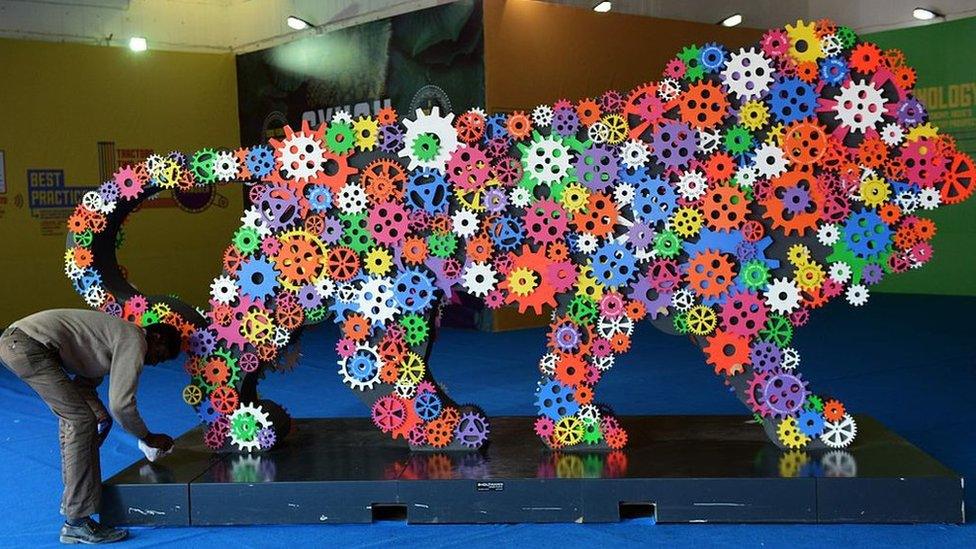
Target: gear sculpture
[[727, 201]]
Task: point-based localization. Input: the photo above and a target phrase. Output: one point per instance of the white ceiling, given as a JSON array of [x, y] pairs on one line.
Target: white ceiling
[[246, 25]]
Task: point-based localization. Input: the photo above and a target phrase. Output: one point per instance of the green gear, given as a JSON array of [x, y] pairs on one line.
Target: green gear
[[755, 274], [681, 323], [777, 330], [119, 238], [202, 166], [814, 403], [442, 245], [247, 240], [415, 329], [667, 244], [693, 69], [746, 191], [244, 426], [757, 417], [84, 238], [582, 309], [233, 371], [316, 315], [340, 138], [355, 234], [737, 140], [426, 147], [149, 318], [591, 431], [847, 36]]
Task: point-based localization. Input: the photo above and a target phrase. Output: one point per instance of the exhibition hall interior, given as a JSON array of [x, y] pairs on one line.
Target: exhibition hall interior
[[481, 273]]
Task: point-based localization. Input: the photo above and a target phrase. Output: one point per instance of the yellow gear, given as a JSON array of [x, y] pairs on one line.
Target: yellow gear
[[791, 462], [411, 370], [753, 115], [570, 466], [874, 192], [687, 221], [169, 173], [922, 130], [809, 276], [161, 309], [790, 435], [568, 431], [587, 285], [617, 129], [378, 261], [775, 135], [575, 197], [522, 281], [367, 132], [257, 327], [804, 33], [192, 395], [473, 199], [701, 320], [798, 255]]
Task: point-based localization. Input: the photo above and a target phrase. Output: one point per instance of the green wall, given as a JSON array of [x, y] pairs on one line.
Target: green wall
[[944, 55]]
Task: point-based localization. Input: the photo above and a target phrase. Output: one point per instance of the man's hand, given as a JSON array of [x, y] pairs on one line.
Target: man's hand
[[161, 442], [104, 426]]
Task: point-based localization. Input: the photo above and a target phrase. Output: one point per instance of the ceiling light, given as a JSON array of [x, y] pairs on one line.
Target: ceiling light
[[298, 23], [924, 14], [603, 7], [138, 43], [731, 20]]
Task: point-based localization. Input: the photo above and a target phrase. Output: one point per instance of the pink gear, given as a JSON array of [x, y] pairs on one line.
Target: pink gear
[[924, 165], [231, 333], [468, 168], [775, 43], [389, 223], [544, 427], [129, 183], [599, 347], [665, 275], [389, 413], [345, 347], [611, 305], [417, 436], [546, 221], [270, 246], [757, 385], [744, 314], [508, 171], [137, 304]]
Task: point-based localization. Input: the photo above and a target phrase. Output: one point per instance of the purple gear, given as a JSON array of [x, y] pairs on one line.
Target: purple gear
[[471, 430], [498, 147], [308, 297], [745, 251], [441, 278], [391, 137], [796, 200], [674, 144], [872, 273], [109, 191], [642, 290], [911, 112], [202, 342], [640, 235], [113, 308], [565, 122], [784, 393], [331, 230], [267, 438], [765, 356], [495, 201], [597, 167], [280, 207], [567, 337], [249, 362]]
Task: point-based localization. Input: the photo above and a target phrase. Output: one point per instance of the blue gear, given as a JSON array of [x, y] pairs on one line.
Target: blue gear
[[712, 57], [867, 235], [496, 125], [654, 199], [319, 198], [413, 290], [207, 412], [792, 99], [427, 190], [89, 279], [258, 278], [810, 423], [833, 70], [361, 367], [556, 400], [427, 405], [507, 233], [614, 264], [260, 161]]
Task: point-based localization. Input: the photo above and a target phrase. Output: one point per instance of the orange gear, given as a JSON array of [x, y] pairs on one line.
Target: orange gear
[[728, 353], [470, 127], [959, 181], [386, 116], [544, 292], [232, 259], [82, 256], [588, 111], [620, 343], [804, 142], [616, 438], [77, 222], [833, 410], [890, 213], [865, 57], [710, 273], [356, 327], [519, 125], [267, 352], [97, 222], [342, 263], [315, 224], [794, 185], [725, 208], [301, 259], [570, 370], [441, 224], [598, 217], [905, 237], [894, 58], [872, 152], [384, 180], [894, 168], [636, 310], [336, 174], [479, 248], [557, 252], [216, 372], [451, 416], [807, 71], [438, 433], [224, 399], [223, 315], [924, 228], [644, 105], [905, 77], [411, 420], [290, 316], [704, 105], [414, 250], [719, 167], [584, 394]]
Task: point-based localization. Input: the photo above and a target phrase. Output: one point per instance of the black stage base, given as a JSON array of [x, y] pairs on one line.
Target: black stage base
[[676, 469]]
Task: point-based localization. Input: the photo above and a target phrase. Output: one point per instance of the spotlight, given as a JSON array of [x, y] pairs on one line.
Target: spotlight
[[138, 43], [298, 23], [924, 14], [731, 20], [603, 7]]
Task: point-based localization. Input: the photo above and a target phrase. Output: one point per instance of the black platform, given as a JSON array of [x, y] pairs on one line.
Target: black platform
[[676, 469]]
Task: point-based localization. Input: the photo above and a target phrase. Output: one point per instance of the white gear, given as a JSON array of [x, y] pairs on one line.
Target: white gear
[[225, 166], [352, 198], [547, 364], [892, 134], [95, 296], [542, 116], [261, 421], [254, 219], [363, 350], [609, 327], [623, 194], [430, 124], [154, 165], [598, 132], [746, 176], [325, 287], [692, 185], [857, 294], [547, 160], [708, 141], [748, 73], [830, 45], [839, 272], [587, 243], [281, 337], [828, 234], [405, 391], [377, 302], [860, 106], [479, 278], [589, 411], [907, 201], [769, 160], [224, 289], [94, 202], [791, 358], [634, 153], [464, 223], [603, 363], [302, 156], [840, 433], [929, 198], [341, 116], [838, 464], [783, 296], [346, 292], [668, 88], [520, 197], [72, 270], [683, 299]]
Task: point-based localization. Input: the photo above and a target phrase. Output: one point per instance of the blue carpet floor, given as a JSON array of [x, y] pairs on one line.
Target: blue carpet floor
[[907, 360]]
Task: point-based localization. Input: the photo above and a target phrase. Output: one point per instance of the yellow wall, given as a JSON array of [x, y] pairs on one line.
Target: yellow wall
[[56, 102]]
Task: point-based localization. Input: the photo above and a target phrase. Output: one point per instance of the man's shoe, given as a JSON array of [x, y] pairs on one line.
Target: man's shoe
[[91, 533]]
